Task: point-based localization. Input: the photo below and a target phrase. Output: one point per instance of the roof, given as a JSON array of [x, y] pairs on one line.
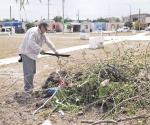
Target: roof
[[142, 14], [147, 14]]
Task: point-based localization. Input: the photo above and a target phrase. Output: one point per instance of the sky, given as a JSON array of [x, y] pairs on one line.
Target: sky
[[88, 9]]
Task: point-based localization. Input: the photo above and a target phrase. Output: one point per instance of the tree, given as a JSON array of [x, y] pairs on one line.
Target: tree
[[117, 20], [6, 20], [29, 25], [101, 20], [67, 20], [128, 24], [136, 25], [58, 19], [113, 19], [69, 27], [23, 2]]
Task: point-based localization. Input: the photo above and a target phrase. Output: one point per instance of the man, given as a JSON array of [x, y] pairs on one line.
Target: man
[[30, 48]]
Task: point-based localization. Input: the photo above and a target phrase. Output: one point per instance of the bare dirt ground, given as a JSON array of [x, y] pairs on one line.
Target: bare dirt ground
[[20, 112], [12, 81]]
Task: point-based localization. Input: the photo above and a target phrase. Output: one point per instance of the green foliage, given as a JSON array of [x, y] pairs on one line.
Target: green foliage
[[29, 25], [73, 99], [101, 20], [69, 27], [136, 25], [121, 91], [23, 2], [121, 95], [111, 19], [67, 20], [128, 24], [58, 19]]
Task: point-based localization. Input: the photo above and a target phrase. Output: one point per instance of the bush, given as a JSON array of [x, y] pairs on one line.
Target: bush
[[128, 24], [29, 25], [125, 93], [136, 25]]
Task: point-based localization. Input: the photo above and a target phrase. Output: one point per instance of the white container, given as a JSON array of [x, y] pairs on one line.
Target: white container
[[96, 42], [84, 36]]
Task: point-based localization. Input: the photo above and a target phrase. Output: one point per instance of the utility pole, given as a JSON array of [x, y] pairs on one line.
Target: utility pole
[[139, 19], [130, 12], [78, 15], [20, 10], [48, 10], [63, 6], [10, 11]]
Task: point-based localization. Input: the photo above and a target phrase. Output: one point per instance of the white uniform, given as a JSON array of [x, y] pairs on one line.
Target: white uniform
[[33, 41]]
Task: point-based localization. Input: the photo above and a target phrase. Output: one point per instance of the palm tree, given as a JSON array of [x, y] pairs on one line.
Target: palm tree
[[23, 2]]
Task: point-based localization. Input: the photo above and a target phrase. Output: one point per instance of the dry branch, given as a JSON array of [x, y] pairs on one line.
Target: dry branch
[[92, 122]]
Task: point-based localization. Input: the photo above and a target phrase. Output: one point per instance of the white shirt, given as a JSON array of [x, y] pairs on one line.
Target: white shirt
[[33, 41]]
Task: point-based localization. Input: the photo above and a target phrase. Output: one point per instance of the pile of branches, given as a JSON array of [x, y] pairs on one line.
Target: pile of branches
[[115, 86]]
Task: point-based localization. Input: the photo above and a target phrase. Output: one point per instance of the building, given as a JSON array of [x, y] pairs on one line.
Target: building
[[147, 21], [19, 25], [87, 26], [76, 26], [114, 26], [144, 19], [100, 26]]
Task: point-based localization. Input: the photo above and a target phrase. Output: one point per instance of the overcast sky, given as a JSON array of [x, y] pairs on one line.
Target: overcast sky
[[91, 9]]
